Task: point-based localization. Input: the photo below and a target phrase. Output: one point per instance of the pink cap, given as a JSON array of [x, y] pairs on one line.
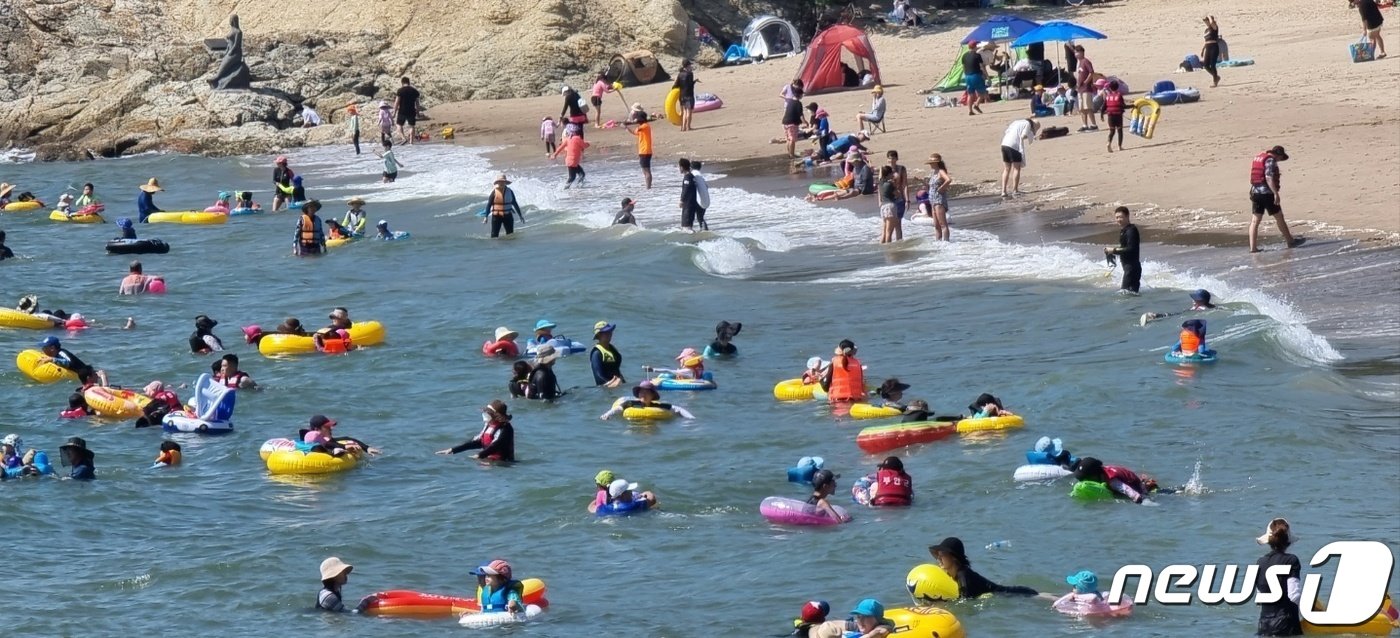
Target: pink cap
[[251, 332], [686, 354]]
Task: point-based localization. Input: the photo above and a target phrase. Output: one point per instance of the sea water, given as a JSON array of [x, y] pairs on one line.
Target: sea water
[[1298, 419]]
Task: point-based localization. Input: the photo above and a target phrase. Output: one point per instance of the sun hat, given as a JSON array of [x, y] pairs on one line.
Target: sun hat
[[501, 179], [383, 223], [321, 420], [1053, 447], [815, 611], [618, 486], [1278, 150], [355, 200], [151, 186], [1085, 582], [5, 188], [13, 441], [814, 362], [204, 321], [952, 546], [1039, 87], [496, 567], [333, 567], [505, 333], [829, 629], [637, 106], [224, 195], [383, 104], [934, 159], [124, 222], [601, 327], [604, 477], [498, 408], [645, 386], [1203, 296], [869, 607], [339, 313], [546, 354], [564, 90], [878, 89], [544, 324], [890, 386]]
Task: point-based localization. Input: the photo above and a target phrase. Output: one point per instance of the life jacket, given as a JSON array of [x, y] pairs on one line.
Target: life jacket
[[501, 348], [1256, 169], [496, 204], [848, 381], [608, 354], [308, 229], [232, 381], [1113, 103], [893, 488], [488, 435], [168, 398], [1190, 341], [1125, 475], [496, 600], [169, 457]]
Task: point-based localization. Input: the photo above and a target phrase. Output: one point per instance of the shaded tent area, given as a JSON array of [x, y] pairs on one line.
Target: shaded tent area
[[837, 59], [766, 37], [636, 68]]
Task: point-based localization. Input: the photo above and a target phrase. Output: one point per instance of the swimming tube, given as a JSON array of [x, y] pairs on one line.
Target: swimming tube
[[60, 216], [786, 511], [1176, 96], [673, 104], [707, 102], [187, 422], [276, 445], [398, 234], [644, 414], [990, 424], [21, 207], [629, 508], [137, 247], [794, 390], [217, 208], [1237, 62], [10, 318], [1068, 604], [245, 211], [499, 618], [284, 462], [883, 438], [867, 411], [1091, 491], [926, 621], [338, 242], [116, 403], [1378, 625], [562, 345], [1040, 473], [362, 333], [192, 217], [41, 463], [33, 365], [668, 382], [1177, 358], [820, 188], [404, 603]]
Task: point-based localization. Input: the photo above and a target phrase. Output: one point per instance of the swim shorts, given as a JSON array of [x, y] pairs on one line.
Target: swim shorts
[[1115, 120], [645, 161], [389, 177], [1011, 155], [1264, 203], [791, 131], [410, 119], [975, 83]]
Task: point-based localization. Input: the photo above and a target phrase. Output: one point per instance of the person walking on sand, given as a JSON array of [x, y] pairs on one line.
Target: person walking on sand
[[1265, 196], [1210, 51], [1019, 135], [600, 86], [1129, 241], [643, 134], [975, 76], [685, 81], [1113, 108], [406, 110], [938, 183], [1371, 20], [901, 192], [1084, 88]]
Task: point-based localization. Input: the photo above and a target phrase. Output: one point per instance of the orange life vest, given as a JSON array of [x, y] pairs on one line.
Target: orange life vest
[[1190, 343], [308, 229], [847, 381]]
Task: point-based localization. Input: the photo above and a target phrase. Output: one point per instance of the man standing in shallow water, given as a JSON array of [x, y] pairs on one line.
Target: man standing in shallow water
[[1127, 250]]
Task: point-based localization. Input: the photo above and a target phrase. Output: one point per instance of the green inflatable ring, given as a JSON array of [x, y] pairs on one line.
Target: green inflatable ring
[[1091, 491]]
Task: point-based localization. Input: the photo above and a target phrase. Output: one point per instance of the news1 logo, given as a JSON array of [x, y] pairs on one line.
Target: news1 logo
[[1358, 588]]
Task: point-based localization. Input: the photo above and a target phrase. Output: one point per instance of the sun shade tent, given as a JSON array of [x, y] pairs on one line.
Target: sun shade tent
[[821, 66], [635, 69], [770, 37]]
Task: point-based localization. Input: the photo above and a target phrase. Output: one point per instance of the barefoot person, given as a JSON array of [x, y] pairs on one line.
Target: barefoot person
[[1083, 74], [643, 134], [1371, 20], [685, 81], [1018, 136], [1127, 249], [406, 110], [975, 75], [901, 192], [938, 183], [1113, 108], [1265, 196], [1210, 51]]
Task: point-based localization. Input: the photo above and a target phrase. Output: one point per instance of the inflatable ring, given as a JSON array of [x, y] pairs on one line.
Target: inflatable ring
[[925, 621], [276, 445], [1378, 625], [629, 508], [362, 333], [644, 414], [199, 218], [24, 207], [786, 511], [284, 462], [928, 583], [338, 242], [245, 211], [1091, 491], [116, 403], [561, 345], [668, 382], [673, 103], [883, 438], [137, 247], [60, 216], [499, 618], [794, 390], [990, 424], [404, 603], [1039, 473], [10, 318], [32, 363], [1173, 357], [867, 411]]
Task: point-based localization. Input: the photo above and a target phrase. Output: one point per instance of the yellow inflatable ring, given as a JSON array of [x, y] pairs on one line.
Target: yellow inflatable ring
[[294, 462], [1378, 625], [928, 583], [116, 403], [644, 414], [10, 318], [673, 107], [32, 363], [363, 333], [22, 207], [867, 411], [793, 390], [187, 217], [338, 242], [990, 424], [60, 216], [925, 621]]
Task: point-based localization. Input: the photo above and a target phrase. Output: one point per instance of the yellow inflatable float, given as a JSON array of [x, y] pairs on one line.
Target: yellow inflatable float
[[338, 242], [643, 414], [116, 403], [794, 390], [867, 411], [990, 424], [925, 621], [283, 462], [673, 106], [1378, 625], [60, 216], [24, 207], [35, 365], [362, 333], [1142, 117], [928, 583], [10, 318], [192, 217]]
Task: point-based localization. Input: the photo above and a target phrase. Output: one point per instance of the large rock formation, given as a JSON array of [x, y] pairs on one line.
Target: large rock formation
[[107, 77]]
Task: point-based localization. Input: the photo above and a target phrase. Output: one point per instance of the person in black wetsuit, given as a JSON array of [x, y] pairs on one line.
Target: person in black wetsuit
[[953, 558], [496, 439], [1281, 618], [542, 382], [203, 340], [1127, 250], [604, 358], [724, 334]]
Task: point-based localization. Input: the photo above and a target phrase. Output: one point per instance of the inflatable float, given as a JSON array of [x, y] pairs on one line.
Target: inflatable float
[[24, 207], [41, 463], [137, 247], [1142, 118], [786, 511], [1069, 604], [1378, 625], [707, 102], [925, 621], [673, 102], [191, 217], [794, 390], [242, 210], [217, 208], [1200, 357], [34, 365], [868, 411], [285, 462], [499, 618], [210, 412], [1091, 491], [817, 189], [928, 583], [668, 382], [116, 403], [883, 438], [339, 241], [1177, 96], [362, 333], [562, 345], [650, 413], [1233, 63], [76, 218], [622, 509], [990, 424], [1040, 473], [404, 603], [276, 445], [10, 318]]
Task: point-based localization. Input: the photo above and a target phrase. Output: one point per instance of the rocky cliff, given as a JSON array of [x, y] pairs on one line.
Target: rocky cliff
[[109, 77]]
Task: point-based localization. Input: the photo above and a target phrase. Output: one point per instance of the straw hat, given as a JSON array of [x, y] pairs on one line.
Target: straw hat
[[356, 201], [878, 89], [501, 179], [152, 186], [5, 188], [934, 159], [505, 333]]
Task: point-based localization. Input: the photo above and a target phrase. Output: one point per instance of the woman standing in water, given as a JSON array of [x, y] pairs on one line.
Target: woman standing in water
[[938, 182], [1280, 618], [888, 213]]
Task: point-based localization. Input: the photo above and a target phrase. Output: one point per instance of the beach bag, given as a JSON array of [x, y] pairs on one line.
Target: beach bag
[[1363, 51]]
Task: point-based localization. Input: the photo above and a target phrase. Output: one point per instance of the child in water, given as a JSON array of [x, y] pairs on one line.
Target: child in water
[[127, 229], [724, 335], [986, 406], [65, 204], [1085, 598], [816, 371], [625, 215], [169, 454], [892, 394], [245, 200], [1200, 301], [496, 590], [692, 366], [382, 231], [824, 485], [1192, 340], [335, 231]]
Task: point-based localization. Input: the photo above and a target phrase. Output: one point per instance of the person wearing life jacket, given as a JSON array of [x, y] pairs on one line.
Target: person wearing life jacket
[[604, 358], [692, 366], [163, 402], [496, 439], [55, 353], [335, 231], [1120, 480], [721, 346], [892, 486], [504, 345], [645, 395], [203, 340], [847, 378], [77, 407], [226, 372], [310, 239], [1113, 108], [496, 590], [1266, 196], [502, 208], [339, 328], [1192, 340], [169, 454], [355, 218]]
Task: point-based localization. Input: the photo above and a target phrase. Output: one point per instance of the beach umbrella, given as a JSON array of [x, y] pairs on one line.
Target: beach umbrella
[[1058, 31], [1001, 29]]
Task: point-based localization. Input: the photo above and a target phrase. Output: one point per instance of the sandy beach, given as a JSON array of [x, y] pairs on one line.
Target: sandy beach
[[1336, 118]]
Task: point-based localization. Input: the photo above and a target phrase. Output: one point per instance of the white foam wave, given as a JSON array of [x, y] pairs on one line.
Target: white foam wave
[[16, 156]]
